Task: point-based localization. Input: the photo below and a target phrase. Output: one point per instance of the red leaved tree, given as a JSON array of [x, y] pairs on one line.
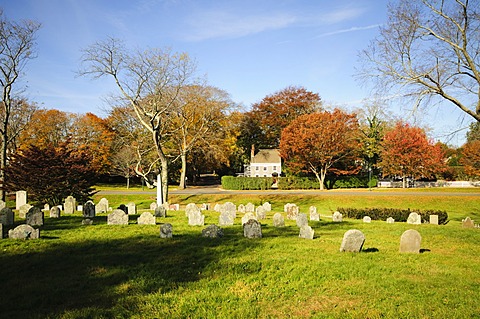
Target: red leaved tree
[[471, 158], [407, 152], [321, 142]]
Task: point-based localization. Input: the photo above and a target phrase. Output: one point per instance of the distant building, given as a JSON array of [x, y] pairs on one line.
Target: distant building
[[265, 163]]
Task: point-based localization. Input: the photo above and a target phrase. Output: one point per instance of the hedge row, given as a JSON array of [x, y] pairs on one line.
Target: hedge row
[[245, 183], [400, 215]]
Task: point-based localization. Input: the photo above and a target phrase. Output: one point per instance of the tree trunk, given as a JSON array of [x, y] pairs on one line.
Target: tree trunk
[[404, 182], [163, 166], [128, 182], [183, 173], [3, 161]]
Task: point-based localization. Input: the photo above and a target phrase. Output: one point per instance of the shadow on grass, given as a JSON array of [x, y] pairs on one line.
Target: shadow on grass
[[94, 274]]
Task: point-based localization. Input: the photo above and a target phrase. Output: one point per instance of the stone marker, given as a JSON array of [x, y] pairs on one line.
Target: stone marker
[[249, 208], [433, 219], [410, 241], [89, 209], [69, 205], [230, 207], [212, 231], [247, 217], [131, 208], [314, 215], [24, 232], [267, 206], [46, 208], [196, 218], [292, 211], [302, 220], [7, 216], [160, 211], [2, 204], [337, 217], [217, 207], [20, 199], [252, 229], [390, 220], [79, 208], [367, 219], [353, 240], [205, 206], [87, 221], [467, 223], [102, 206], [306, 232], [166, 231], [278, 220], [54, 212], [226, 219], [22, 212], [191, 208], [153, 206], [241, 209], [34, 217], [414, 219], [260, 213], [146, 218], [117, 217]]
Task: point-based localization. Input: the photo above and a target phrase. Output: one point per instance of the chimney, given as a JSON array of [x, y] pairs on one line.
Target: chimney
[[252, 154]]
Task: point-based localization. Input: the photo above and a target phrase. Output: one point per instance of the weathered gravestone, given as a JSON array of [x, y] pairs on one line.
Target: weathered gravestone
[[2, 204], [69, 205], [117, 217], [87, 221], [153, 206], [102, 206], [353, 241], [205, 206], [131, 208], [34, 217], [241, 209], [252, 229], [230, 207], [314, 215], [414, 219], [217, 207], [390, 220], [302, 220], [46, 208], [160, 211], [410, 242], [337, 217], [292, 211], [247, 217], [146, 219], [166, 231], [367, 219], [267, 206], [22, 212], [212, 231], [196, 218], [226, 219], [261, 213], [467, 223], [79, 208], [278, 220], [54, 212], [433, 219], [191, 208], [306, 232], [20, 199], [24, 232], [249, 208], [7, 216], [89, 210]]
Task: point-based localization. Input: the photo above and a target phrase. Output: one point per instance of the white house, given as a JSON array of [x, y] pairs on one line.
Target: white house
[[265, 163]]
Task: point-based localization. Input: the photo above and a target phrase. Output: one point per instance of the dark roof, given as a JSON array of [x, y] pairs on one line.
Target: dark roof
[[271, 156]]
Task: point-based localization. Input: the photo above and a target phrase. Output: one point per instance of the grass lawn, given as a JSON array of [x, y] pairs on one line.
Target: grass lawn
[[103, 271]]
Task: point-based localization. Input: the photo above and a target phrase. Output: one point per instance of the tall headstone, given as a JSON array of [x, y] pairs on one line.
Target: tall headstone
[[267, 206], [410, 242], [7, 216], [54, 212], [212, 231], [89, 209], [306, 232], [337, 217], [292, 211], [131, 208], [314, 215], [226, 219], [102, 206], [22, 211], [353, 241], [34, 217], [414, 219], [247, 217], [146, 219], [166, 230], [278, 220], [69, 205], [433, 219], [467, 223], [117, 217], [24, 231], [249, 208], [252, 229], [260, 212], [20, 199], [196, 218], [302, 220]]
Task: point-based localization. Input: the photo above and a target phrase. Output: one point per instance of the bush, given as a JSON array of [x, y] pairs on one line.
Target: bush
[[246, 183], [400, 215], [293, 182]]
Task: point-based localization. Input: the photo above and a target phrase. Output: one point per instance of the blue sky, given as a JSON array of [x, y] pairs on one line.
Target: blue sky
[[249, 48]]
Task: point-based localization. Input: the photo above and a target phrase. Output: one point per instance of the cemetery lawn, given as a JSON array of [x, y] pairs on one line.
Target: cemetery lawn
[[110, 271]]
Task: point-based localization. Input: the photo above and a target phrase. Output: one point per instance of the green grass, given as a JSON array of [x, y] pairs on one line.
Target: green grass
[[103, 271]]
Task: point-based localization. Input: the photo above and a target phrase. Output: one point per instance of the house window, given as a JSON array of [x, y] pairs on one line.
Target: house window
[[257, 168], [274, 168], [256, 175], [264, 168]]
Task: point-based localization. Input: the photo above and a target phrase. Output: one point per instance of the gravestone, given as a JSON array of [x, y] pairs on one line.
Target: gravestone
[[226, 219], [102, 206], [306, 232], [160, 211], [205, 206], [278, 220], [7, 216], [353, 241], [230, 207], [131, 208], [367, 219], [217, 207], [196, 218], [247, 217], [166, 231], [390, 220], [337, 217], [241, 209], [314, 215], [153, 206], [46, 208], [267, 206], [292, 211], [249, 208], [69, 205], [146, 219], [117, 217], [89, 210], [24, 232], [2, 204], [191, 208], [79, 208], [410, 242], [54, 212], [414, 219], [22, 212], [261, 213], [20, 199], [212, 231], [123, 207], [252, 229], [467, 223], [87, 221], [302, 220], [34, 217], [433, 219]]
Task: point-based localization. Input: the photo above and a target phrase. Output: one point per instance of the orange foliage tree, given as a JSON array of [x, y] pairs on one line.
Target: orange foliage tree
[[471, 158], [407, 152], [320, 143]]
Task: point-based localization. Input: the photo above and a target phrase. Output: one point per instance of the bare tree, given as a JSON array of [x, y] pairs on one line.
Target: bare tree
[[150, 81], [17, 43], [124, 162], [430, 51]]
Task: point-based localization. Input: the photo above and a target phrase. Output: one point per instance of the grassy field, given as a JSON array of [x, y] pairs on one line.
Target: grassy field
[[103, 271]]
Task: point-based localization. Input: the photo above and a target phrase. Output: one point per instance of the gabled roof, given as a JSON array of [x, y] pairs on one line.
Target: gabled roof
[[269, 156]]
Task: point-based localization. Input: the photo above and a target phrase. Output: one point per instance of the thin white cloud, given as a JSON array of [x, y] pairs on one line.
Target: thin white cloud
[[341, 15], [352, 29]]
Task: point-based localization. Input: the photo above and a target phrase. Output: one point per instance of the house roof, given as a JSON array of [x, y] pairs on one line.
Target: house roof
[[270, 156]]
